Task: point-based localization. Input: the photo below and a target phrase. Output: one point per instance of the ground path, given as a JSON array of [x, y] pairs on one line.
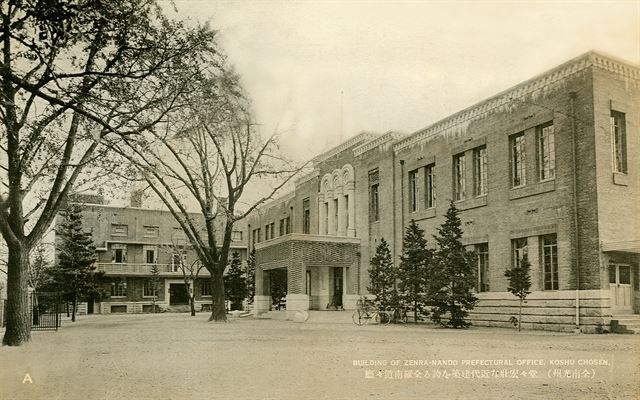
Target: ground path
[[174, 356]]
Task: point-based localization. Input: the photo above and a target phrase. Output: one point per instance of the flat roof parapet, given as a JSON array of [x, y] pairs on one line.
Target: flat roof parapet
[[527, 87]]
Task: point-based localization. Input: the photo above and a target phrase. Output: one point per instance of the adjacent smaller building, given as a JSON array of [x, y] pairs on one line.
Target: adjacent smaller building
[[129, 242]]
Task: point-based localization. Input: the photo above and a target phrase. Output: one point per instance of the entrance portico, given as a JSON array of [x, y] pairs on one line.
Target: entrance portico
[[322, 271]]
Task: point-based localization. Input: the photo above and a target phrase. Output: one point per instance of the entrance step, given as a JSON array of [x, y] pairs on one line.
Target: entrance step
[[277, 315], [315, 317], [179, 308], [625, 323]]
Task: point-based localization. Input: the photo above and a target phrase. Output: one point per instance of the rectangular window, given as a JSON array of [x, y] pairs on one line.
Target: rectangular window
[[306, 216], [151, 231], [480, 170], [335, 215], [326, 218], [374, 205], [266, 232], [459, 181], [546, 151], [119, 230], [346, 211], [287, 225], [519, 251], [178, 260], [256, 236], [281, 228], [413, 191], [272, 227], [619, 141], [482, 251], [624, 274], [429, 186], [148, 289], [150, 256], [236, 235], [549, 247], [119, 288], [119, 253], [518, 160], [178, 236], [205, 288]]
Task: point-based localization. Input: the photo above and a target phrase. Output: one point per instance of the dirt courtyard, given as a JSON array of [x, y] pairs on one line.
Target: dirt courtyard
[[174, 356]]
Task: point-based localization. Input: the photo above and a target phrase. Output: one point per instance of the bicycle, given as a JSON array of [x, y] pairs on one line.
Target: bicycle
[[397, 315], [364, 314]]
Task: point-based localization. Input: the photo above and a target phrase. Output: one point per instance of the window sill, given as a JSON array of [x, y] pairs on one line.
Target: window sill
[[205, 295], [621, 179], [532, 190], [118, 297], [472, 203], [423, 214]]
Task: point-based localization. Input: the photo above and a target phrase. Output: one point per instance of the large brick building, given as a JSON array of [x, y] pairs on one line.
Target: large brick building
[[129, 241], [548, 168]]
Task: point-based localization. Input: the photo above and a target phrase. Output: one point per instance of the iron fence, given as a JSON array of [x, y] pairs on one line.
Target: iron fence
[[45, 311]]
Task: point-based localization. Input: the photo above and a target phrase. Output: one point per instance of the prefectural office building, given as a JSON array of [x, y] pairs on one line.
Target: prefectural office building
[[548, 168]]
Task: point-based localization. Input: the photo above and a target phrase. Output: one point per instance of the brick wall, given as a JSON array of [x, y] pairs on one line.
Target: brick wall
[[505, 213]]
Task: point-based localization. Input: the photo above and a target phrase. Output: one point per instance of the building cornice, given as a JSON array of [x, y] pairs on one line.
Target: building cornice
[[380, 140], [538, 83], [362, 137], [307, 177], [300, 237]]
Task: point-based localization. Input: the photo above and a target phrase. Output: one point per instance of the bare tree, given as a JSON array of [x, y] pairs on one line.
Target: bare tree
[[207, 157], [190, 270], [74, 76]]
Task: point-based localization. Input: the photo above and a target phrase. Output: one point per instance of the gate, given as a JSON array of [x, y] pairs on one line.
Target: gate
[[45, 311]]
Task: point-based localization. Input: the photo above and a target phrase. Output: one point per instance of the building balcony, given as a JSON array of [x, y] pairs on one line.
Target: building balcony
[[133, 269]]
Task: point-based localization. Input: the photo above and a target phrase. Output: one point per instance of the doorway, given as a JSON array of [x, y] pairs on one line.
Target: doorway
[[178, 294], [621, 288], [337, 287]]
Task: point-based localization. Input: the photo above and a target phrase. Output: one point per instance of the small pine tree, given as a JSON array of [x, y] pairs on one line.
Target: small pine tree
[[75, 273], [413, 269], [251, 275], [452, 276], [382, 278], [519, 283], [155, 284], [235, 283], [40, 269]]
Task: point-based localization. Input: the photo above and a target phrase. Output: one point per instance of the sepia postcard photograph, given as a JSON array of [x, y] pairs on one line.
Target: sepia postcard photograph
[[345, 200]]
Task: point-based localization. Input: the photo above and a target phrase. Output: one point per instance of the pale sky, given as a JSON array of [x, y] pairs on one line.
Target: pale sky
[[399, 65]]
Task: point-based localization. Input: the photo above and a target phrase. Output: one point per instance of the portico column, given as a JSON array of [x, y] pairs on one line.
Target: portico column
[[351, 206], [331, 228], [342, 213], [262, 299], [322, 217]]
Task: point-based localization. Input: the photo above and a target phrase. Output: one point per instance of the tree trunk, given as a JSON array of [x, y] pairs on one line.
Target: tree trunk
[[520, 315], [218, 312], [192, 303], [18, 330], [74, 308]]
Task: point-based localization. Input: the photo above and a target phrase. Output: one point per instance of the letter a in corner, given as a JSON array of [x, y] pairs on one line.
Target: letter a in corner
[[27, 378]]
